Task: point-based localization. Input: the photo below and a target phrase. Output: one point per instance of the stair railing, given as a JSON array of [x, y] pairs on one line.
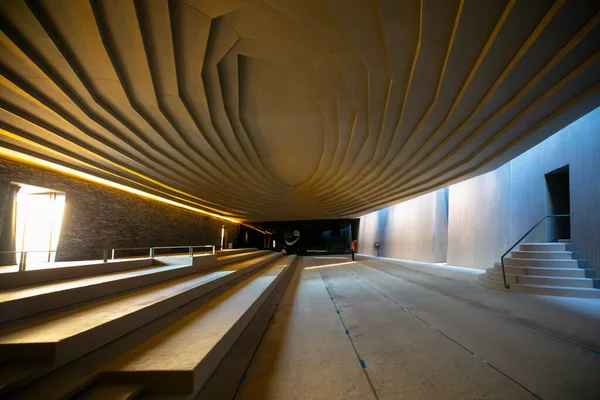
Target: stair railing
[[22, 254], [152, 250], [506, 284]]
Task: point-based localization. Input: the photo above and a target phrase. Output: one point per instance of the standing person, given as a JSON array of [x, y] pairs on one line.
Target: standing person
[[353, 248]]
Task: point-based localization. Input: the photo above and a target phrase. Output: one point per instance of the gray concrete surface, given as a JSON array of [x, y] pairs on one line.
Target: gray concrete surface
[[183, 357], [423, 332]]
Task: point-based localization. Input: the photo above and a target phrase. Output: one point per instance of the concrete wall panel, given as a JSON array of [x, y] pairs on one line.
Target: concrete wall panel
[[479, 223], [406, 230], [489, 213]]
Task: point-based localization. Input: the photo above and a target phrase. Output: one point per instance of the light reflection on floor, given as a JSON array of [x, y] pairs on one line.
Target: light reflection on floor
[[330, 265]]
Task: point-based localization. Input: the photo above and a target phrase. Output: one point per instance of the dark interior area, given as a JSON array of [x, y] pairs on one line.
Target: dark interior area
[[312, 236], [558, 203]]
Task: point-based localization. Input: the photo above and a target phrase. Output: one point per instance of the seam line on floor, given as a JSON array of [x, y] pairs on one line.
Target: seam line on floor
[[446, 336], [269, 323], [360, 360], [597, 352]]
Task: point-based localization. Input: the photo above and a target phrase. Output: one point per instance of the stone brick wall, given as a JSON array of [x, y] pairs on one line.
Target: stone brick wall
[[97, 217]]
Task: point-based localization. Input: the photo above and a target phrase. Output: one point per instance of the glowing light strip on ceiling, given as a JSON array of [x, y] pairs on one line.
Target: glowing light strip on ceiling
[[37, 162], [47, 150]]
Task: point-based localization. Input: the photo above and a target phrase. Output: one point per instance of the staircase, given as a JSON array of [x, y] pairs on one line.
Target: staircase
[[544, 268], [151, 332]]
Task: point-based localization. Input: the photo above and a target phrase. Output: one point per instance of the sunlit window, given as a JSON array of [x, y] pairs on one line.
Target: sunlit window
[[222, 237], [39, 219]]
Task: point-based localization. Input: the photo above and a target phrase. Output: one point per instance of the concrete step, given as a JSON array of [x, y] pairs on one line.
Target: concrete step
[[224, 381], [555, 255], [541, 271], [543, 280], [180, 359], [12, 374], [228, 252], [541, 289], [544, 246], [546, 263], [27, 300], [64, 336], [72, 271], [111, 392], [224, 259], [80, 269]]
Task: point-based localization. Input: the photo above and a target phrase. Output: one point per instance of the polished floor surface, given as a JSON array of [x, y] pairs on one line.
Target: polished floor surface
[[379, 329]]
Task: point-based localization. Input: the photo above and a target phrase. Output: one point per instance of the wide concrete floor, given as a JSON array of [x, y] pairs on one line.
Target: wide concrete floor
[[411, 331]]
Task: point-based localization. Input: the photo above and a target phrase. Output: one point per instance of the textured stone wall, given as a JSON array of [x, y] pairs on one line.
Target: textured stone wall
[[97, 217], [4, 191]]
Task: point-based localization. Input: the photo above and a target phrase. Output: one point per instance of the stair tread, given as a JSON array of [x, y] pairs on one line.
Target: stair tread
[[13, 373], [51, 287], [241, 255], [39, 289], [544, 251], [111, 392], [579, 289], [559, 289], [236, 251], [183, 345], [542, 243], [574, 278], [59, 327], [544, 268], [540, 259]]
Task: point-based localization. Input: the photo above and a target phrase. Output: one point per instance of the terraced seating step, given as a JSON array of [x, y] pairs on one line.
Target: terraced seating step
[[27, 300], [228, 252], [23, 301], [79, 269], [225, 258], [76, 270], [63, 336], [112, 392], [182, 357], [32, 348]]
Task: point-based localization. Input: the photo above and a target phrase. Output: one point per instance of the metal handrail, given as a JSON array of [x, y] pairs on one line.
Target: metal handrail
[[22, 262], [506, 285], [153, 249]]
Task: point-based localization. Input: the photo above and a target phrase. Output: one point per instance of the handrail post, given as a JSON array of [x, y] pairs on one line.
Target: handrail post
[[213, 250], [151, 252], [105, 255], [23, 261], [113, 254], [191, 249], [506, 284]]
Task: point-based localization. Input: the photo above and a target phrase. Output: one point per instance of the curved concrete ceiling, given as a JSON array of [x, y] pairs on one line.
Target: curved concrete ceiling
[[292, 109]]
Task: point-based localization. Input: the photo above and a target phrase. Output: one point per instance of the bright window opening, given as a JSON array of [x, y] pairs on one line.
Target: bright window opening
[[222, 236], [39, 213]]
